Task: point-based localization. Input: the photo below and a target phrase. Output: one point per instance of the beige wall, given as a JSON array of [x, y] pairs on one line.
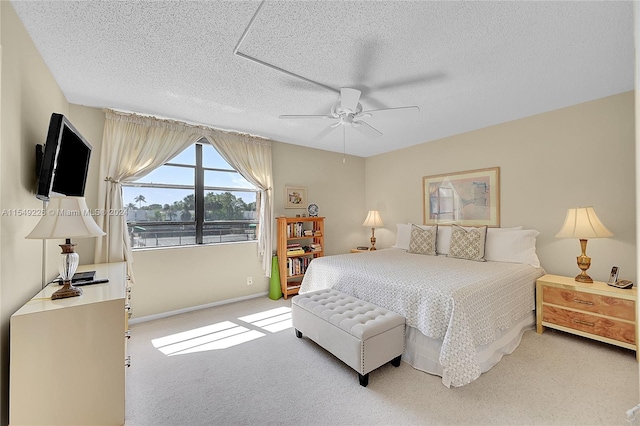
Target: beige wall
[[90, 123], [336, 187], [29, 95], [577, 156]]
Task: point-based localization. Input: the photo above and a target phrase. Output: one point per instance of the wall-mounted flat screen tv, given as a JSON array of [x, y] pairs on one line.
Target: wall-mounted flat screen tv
[[63, 161]]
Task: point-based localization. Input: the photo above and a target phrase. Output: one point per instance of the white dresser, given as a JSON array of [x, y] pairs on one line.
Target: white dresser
[[68, 356]]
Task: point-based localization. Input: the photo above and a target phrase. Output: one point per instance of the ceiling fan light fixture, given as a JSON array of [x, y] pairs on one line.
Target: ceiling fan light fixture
[[347, 111]]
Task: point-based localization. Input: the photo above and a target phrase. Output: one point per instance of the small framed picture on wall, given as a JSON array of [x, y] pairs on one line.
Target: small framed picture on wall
[[295, 197]]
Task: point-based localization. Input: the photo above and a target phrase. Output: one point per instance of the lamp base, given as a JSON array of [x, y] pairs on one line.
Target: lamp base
[[584, 263], [373, 239], [373, 244], [584, 278], [67, 290]]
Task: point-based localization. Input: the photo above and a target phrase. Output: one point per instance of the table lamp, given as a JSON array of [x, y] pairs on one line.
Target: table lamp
[[66, 217], [373, 221], [582, 223]]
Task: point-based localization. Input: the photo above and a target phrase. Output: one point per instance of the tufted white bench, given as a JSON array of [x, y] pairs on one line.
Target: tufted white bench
[[362, 335]]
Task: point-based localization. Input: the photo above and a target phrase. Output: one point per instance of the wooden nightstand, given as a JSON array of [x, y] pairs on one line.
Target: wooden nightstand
[[597, 311], [355, 250]]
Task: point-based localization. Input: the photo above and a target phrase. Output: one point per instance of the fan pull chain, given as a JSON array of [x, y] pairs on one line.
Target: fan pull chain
[[344, 144]]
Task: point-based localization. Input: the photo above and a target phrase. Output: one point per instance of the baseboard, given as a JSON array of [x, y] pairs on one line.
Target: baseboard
[[195, 308]]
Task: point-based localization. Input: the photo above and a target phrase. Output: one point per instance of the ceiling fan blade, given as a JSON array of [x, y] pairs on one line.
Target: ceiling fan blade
[[367, 129], [323, 133], [389, 112], [349, 99], [305, 116]]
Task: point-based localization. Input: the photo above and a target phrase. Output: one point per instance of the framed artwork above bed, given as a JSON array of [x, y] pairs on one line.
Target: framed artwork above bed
[[469, 198]]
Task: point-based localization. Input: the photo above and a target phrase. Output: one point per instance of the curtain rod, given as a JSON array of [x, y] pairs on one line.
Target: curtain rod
[[175, 124]]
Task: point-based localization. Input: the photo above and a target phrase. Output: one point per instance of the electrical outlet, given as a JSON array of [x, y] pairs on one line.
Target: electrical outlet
[[249, 280]]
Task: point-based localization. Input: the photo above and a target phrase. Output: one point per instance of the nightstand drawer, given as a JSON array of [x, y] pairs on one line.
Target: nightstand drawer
[[605, 305], [592, 324]]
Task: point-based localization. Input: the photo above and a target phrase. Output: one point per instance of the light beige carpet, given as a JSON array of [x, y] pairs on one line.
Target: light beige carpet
[[278, 379]]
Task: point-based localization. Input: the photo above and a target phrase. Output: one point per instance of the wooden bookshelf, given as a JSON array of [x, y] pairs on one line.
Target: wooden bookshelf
[[307, 233]]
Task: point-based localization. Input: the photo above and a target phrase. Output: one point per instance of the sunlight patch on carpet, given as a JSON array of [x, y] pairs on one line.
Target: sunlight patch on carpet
[[212, 337], [224, 334], [273, 320]]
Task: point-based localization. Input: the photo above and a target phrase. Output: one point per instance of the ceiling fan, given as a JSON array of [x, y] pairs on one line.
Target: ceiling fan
[[347, 111]]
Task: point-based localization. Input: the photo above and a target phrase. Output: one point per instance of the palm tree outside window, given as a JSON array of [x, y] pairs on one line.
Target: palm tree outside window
[[195, 198]]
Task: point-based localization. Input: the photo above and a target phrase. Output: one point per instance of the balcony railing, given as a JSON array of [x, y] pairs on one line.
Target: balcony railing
[[167, 234]]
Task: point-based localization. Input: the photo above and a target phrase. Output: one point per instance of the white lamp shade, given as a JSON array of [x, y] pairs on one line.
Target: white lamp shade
[[373, 219], [583, 223], [66, 217]]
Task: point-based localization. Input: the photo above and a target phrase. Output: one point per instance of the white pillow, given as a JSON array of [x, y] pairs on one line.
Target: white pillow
[[403, 236], [492, 230], [443, 242], [512, 245]]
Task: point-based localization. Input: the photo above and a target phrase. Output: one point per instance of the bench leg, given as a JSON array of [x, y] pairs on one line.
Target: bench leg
[[298, 333], [364, 380], [396, 361]]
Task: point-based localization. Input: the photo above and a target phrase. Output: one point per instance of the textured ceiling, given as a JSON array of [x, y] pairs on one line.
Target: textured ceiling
[[467, 65]]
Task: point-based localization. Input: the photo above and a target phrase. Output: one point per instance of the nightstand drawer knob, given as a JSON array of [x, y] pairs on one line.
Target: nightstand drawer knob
[[584, 302], [590, 324]]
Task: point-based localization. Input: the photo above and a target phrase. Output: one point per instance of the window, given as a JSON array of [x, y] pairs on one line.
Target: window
[[196, 198]]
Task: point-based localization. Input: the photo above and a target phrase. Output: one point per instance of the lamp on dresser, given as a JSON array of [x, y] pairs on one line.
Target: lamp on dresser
[[582, 223], [66, 218], [373, 221]]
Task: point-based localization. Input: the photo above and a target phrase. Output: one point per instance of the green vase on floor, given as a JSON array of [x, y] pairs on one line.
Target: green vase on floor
[[275, 292]]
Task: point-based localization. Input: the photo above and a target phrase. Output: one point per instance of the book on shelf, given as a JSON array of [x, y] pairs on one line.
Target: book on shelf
[[295, 252], [295, 230], [297, 266], [293, 286]]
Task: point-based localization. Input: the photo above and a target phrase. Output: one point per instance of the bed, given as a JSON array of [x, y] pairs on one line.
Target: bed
[[462, 315]]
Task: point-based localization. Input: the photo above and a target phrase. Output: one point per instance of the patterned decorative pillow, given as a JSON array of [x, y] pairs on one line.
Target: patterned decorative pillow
[[467, 242], [423, 240]]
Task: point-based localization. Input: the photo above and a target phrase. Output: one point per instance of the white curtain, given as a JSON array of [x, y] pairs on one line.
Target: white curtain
[[251, 157], [134, 145]]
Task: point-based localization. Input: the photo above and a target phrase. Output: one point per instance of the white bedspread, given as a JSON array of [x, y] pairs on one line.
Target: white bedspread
[[462, 302]]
